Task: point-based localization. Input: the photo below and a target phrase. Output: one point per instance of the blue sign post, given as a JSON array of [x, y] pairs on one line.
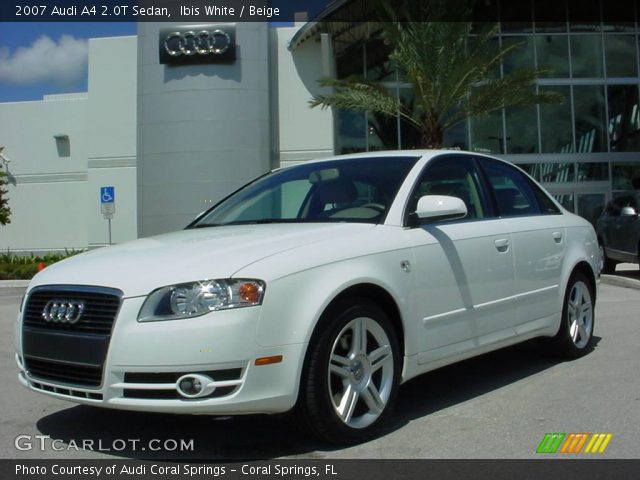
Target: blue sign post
[[107, 194], [108, 205]]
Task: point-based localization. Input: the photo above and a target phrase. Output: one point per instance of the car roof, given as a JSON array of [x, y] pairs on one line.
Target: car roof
[[422, 154]]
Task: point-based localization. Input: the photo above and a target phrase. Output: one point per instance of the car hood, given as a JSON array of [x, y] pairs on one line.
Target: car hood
[[140, 266]]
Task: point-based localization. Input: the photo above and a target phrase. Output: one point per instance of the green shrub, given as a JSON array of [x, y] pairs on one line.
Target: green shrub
[[15, 267]]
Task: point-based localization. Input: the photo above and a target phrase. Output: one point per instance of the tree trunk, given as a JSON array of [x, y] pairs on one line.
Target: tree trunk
[[432, 135]]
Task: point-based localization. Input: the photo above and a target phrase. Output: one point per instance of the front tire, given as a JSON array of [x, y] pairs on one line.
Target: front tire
[[575, 337], [351, 375]]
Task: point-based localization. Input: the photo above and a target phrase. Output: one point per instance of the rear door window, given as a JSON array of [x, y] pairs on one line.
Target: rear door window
[[515, 194]]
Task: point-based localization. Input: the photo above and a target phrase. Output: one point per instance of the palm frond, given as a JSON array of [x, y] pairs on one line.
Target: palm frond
[[449, 70], [358, 94]]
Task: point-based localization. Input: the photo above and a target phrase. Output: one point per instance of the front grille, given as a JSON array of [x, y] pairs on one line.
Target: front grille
[[66, 391], [65, 352], [63, 372], [101, 308]]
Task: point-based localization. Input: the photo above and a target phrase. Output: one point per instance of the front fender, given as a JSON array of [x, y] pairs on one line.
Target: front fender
[[294, 303]]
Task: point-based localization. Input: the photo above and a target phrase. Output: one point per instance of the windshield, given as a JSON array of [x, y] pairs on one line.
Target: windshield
[[353, 190]]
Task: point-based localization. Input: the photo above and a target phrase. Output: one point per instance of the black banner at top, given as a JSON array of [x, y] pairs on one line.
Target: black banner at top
[[141, 11], [214, 11]]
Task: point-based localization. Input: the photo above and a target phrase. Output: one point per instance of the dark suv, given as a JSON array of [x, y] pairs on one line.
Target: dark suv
[[618, 230]]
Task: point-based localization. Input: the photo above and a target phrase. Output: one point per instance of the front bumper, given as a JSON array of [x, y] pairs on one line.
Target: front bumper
[[144, 359]]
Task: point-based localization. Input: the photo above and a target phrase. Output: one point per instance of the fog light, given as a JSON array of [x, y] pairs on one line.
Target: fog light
[[191, 386], [195, 385]]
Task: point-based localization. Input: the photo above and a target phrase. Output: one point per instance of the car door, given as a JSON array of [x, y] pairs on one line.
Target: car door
[[606, 224], [628, 238], [463, 269], [538, 237], [614, 240]]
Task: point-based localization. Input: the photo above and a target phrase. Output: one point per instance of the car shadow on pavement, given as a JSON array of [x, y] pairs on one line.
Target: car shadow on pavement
[[472, 378], [137, 434]]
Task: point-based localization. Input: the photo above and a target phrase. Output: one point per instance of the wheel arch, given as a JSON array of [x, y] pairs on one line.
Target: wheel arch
[[361, 291], [309, 411], [375, 294], [585, 268]]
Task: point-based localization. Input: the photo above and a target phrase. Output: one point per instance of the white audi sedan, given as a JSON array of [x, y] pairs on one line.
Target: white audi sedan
[[316, 289]]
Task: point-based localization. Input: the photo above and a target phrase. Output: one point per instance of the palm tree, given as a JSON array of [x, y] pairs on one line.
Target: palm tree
[[5, 211], [449, 70]]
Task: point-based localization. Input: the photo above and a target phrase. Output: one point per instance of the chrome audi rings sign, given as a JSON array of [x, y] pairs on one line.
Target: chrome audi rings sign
[[197, 44], [63, 311]]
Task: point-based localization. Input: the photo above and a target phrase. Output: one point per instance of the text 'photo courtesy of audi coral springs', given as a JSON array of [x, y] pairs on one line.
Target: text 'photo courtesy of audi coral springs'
[[316, 289]]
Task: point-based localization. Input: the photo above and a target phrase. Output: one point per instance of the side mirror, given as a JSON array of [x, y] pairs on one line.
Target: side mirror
[[440, 207], [628, 212]]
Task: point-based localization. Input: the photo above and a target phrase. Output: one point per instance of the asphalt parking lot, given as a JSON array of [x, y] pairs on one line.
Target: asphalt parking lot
[[499, 405]]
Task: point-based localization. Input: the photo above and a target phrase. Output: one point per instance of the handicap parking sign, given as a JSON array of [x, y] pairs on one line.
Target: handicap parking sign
[[107, 194]]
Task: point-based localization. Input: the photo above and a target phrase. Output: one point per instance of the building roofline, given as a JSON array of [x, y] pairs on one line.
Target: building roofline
[[312, 27]]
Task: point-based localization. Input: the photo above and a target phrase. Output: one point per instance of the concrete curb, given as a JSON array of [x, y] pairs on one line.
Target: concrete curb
[[14, 283], [620, 281]]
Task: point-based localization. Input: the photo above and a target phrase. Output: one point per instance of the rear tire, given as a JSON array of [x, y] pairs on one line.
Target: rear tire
[[575, 337], [351, 376]]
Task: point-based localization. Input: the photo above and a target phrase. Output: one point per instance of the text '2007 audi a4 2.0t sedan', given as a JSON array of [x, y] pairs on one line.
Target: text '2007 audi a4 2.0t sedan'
[[316, 289]]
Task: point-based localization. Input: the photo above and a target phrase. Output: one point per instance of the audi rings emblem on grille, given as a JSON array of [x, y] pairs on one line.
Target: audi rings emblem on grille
[[191, 43], [63, 311]]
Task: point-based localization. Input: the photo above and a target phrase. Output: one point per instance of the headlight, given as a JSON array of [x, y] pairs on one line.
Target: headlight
[[193, 299]]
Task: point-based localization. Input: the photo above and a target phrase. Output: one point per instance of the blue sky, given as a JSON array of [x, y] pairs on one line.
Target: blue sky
[[44, 58], [37, 59]]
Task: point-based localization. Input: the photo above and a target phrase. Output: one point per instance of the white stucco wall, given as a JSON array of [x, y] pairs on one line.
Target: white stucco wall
[[111, 137], [204, 130], [54, 192], [48, 189], [54, 197], [302, 133]]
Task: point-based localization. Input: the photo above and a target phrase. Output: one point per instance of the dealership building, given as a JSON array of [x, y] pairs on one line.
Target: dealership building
[[166, 129]]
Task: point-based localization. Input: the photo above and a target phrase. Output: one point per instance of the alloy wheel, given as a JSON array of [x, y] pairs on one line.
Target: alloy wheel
[[580, 314], [360, 372]]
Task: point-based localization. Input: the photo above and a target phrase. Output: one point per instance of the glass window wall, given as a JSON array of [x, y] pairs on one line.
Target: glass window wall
[[625, 176], [486, 134], [589, 107], [593, 172], [523, 55], [582, 54], [553, 54], [522, 130], [620, 52], [566, 200], [624, 118], [586, 56], [556, 123], [557, 172], [590, 206]]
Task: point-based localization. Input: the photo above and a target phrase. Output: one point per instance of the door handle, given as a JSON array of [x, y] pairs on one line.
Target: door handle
[[557, 237], [502, 244]]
